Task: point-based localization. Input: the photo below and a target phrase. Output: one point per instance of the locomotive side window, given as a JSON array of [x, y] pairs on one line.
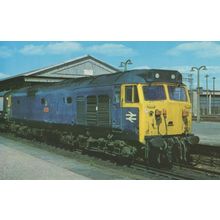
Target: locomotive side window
[[69, 100], [136, 98], [43, 101], [128, 93], [131, 94]]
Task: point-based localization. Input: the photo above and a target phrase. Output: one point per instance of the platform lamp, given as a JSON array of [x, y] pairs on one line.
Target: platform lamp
[[213, 95], [190, 80], [207, 94], [198, 88], [125, 64]]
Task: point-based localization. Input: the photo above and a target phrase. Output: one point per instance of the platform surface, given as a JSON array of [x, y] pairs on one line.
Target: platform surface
[[208, 132], [22, 159], [18, 165]]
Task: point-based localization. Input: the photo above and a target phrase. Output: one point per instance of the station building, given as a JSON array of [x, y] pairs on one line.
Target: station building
[[209, 102], [79, 67]]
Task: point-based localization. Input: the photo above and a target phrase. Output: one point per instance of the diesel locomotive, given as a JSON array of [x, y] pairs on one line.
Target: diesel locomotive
[[138, 115]]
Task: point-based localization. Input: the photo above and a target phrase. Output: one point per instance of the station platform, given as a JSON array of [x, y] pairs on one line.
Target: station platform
[[208, 132]]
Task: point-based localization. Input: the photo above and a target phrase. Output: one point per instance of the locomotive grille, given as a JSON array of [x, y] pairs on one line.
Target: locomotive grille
[[81, 110], [91, 110], [98, 113], [103, 111]]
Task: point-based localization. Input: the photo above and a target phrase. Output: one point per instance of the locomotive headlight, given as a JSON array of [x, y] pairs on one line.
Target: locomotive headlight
[[173, 76], [157, 75]]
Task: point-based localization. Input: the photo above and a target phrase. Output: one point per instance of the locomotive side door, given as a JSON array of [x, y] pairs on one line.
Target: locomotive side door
[[130, 111], [116, 109]]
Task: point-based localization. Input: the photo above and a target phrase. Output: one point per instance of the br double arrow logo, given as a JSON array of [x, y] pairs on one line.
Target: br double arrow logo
[[131, 117]]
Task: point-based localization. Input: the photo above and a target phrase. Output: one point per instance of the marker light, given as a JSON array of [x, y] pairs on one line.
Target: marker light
[[185, 113], [157, 75], [173, 76]]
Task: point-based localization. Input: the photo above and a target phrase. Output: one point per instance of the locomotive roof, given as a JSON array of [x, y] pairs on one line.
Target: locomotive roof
[[127, 77], [132, 76]]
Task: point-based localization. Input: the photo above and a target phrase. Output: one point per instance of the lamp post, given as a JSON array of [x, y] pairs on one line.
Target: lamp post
[[207, 95], [190, 80], [125, 64], [213, 95], [198, 88]]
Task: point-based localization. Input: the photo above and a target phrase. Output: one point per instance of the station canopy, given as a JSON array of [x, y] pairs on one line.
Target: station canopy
[[75, 68]]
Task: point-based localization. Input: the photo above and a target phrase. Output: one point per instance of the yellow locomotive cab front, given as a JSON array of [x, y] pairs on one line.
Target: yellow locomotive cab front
[[165, 110]]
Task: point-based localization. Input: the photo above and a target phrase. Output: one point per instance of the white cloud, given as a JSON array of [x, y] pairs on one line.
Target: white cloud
[[5, 52], [56, 48], [111, 49], [64, 47], [200, 49], [31, 49], [51, 48]]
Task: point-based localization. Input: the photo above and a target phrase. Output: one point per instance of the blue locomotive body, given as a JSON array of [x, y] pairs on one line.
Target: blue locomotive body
[[89, 103]]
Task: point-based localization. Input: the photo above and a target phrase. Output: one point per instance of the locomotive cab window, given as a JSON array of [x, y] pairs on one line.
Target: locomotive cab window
[[154, 93], [177, 93], [131, 94]]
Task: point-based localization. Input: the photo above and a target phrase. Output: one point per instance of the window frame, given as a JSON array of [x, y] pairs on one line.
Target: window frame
[[134, 94]]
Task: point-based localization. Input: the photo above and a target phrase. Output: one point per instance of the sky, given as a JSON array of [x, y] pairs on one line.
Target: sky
[[22, 56]]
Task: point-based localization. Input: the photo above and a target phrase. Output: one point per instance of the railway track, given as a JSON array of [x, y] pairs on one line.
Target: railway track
[[180, 172], [211, 118], [183, 172], [161, 172]]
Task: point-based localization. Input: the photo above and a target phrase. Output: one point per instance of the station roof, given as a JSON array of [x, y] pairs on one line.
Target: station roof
[[75, 68]]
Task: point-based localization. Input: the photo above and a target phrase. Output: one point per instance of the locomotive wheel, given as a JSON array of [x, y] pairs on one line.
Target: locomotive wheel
[[154, 157], [158, 158]]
